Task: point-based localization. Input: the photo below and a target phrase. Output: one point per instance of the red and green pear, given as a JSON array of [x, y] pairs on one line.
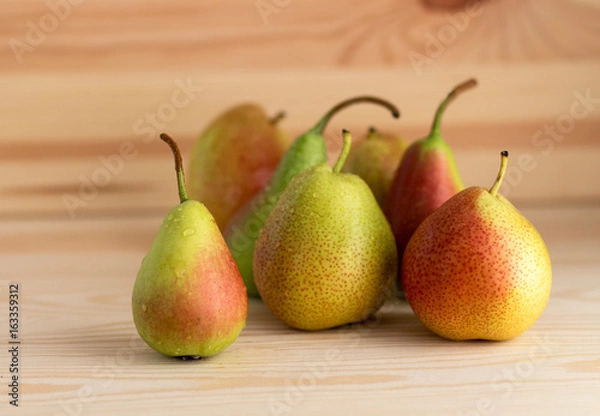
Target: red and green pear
[[234, 158], [426, 178], [189, 299], [477, 268]]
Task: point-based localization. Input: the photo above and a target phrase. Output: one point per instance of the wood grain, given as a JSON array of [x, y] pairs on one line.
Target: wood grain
[[86, 87], [82, 355], [124, 35], [49, 159]]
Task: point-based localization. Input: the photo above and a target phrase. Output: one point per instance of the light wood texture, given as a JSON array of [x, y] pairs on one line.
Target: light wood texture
[[86, 87], [79, 339]]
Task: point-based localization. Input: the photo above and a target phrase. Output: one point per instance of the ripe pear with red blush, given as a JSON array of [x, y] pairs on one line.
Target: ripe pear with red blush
[[375, 159], [189, 299], [233, 159], [426, 178], [477, 268]]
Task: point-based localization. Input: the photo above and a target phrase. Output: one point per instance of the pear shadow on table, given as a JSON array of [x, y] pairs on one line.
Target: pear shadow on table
[[120, 347], [394, 322], [398, 318]]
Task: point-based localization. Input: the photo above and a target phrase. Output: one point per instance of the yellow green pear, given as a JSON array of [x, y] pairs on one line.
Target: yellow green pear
[[189, 299], [375, 159], [476, 268], [326, 255]]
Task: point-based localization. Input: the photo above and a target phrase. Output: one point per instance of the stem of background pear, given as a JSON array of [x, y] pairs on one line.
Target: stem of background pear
[[459, 89], [178, 166], [503, 166], [277, 118], [320, 126], [345, 150]]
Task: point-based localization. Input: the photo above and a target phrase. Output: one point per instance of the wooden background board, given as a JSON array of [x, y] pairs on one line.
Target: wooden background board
[[75, 93]]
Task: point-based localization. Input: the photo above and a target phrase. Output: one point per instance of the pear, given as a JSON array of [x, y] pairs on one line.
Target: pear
[[375, 159], [306, 151], [326, 256], [425, 179], [189, 299], [476, 268], [234, 158]]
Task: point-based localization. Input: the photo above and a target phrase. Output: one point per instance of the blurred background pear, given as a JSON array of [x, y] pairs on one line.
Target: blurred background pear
[[234, 158]]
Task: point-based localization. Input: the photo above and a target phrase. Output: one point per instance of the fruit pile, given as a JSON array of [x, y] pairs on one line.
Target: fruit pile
[[324, 246]]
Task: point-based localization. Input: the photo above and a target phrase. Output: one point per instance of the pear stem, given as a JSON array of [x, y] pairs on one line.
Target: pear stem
[[178, 166], [345, 150], [277, 118], [459, 89], [320, 126], [503, 166]]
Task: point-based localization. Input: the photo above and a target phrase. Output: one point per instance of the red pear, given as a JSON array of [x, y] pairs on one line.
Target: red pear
[[425, 179], [234, 158], [477, 268]]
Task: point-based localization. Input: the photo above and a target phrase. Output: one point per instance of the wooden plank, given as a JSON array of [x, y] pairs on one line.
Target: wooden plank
[[81, 353], [132, 35], [45, 156], [146, 185], [85, 88], [97, 107]]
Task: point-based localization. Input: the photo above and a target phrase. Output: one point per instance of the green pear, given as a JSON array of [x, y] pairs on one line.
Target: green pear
[[326, 256], [477, 268], [189, 299], [426, 178], [233, 159], [375, 159], [307, 150]]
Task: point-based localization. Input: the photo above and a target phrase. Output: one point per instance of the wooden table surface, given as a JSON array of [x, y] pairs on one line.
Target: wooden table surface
[[80, 352], [82, 89]]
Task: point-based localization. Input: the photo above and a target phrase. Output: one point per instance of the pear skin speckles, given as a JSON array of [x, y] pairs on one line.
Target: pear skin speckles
[[477, 269], [326, 256], [189, 298]]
